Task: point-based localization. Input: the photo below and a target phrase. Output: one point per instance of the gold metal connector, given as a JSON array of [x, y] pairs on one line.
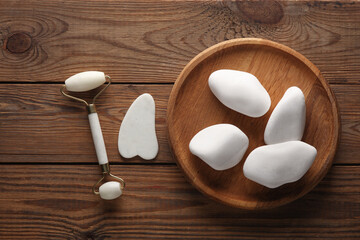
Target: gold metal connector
[[91, 108], [105, 168]]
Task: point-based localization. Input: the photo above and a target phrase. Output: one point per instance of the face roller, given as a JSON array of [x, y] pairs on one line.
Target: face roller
[[82, 82]]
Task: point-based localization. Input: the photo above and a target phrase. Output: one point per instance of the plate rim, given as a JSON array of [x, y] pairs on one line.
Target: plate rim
[[264, 42]]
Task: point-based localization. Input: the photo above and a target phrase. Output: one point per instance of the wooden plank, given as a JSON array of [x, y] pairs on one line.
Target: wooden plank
[[38, 124], [42, 125], [151, 41], [52, 201]]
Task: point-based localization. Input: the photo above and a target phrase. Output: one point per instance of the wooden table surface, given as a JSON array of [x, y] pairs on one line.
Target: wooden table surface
[[48, 161]]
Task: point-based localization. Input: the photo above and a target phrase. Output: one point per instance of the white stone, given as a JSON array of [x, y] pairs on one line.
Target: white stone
[[287, 121], [85, 81], [110, 190], [240, 91], [221, 146], [277, 164], [137, 135]]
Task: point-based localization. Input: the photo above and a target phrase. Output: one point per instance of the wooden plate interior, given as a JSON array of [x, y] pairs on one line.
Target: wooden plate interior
[[192, 107]]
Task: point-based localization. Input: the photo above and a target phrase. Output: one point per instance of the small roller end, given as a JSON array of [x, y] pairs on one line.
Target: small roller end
[[110, 190]]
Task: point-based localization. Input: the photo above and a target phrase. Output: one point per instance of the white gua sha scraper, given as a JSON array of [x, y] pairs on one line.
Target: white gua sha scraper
[[137, 135], [82, 82]]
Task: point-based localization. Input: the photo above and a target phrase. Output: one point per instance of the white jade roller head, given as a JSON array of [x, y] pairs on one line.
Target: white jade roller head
[[86, 81]]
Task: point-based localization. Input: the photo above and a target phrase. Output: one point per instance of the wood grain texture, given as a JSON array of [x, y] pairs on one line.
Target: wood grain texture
[[151, 41], [38, 124], [55, 202], [142, 41]]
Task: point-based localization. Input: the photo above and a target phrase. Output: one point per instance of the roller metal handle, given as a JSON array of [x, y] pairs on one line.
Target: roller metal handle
[[98, 138]]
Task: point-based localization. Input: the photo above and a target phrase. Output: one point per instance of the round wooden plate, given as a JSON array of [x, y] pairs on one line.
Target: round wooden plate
[[192, 107]]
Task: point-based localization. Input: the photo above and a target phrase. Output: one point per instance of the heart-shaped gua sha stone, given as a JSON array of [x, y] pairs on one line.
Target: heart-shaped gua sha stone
[[240, 91], [221, 146], [277, 164], [137, 135], [287, 121]]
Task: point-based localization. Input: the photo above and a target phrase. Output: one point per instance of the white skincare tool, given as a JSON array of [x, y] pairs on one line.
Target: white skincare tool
[[82, 82], [137, 135]]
